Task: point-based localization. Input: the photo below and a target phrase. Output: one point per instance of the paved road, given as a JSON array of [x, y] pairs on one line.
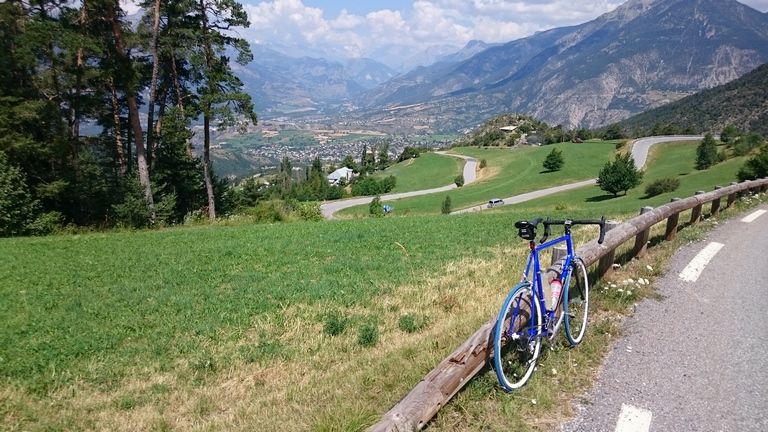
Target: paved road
[[640, 150], [531, 195], [641, 146], [697, 360], [470, 175]]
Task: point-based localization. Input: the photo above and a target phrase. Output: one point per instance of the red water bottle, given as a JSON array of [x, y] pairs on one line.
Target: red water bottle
[[556, 287]]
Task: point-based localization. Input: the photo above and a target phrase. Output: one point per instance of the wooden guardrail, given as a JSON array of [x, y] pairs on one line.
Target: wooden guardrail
[[443, 382]]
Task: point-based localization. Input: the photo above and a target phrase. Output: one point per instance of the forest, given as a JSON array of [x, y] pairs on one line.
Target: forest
[[97, 111]]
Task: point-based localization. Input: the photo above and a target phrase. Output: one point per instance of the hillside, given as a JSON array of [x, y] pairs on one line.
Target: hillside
[[639, 56], [742, 102]]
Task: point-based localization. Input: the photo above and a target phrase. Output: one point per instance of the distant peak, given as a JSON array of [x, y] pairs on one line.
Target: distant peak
[[475, 43], [632, 9]]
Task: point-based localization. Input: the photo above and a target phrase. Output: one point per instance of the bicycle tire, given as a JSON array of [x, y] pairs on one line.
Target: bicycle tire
[[514, 353], [576, 307]]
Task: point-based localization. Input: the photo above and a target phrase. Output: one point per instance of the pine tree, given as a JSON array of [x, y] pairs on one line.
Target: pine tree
[[446, 207], [554, 160], [706, 153]]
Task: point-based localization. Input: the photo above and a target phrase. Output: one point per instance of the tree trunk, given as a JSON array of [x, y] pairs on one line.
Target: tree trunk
[[207, 165], [179, 97], [133, 113], [206, 116], [153, 83], [119, 147]]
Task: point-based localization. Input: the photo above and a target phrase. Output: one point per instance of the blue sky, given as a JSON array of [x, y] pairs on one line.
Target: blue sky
[[362, 7]]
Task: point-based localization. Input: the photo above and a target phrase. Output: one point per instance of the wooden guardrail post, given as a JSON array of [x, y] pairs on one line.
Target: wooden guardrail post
[[558, 252], [716, 204], [732, 196], [672, 223], [605, 266], [641, 239], [764, 188], [696, 211]]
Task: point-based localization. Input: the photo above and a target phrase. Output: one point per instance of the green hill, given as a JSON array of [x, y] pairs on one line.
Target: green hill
[[742, 102]]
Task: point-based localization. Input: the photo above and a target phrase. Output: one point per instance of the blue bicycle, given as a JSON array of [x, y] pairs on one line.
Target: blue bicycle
[[525, 317]]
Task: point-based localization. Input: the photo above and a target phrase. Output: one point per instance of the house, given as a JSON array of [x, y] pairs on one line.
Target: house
[[342, 173]]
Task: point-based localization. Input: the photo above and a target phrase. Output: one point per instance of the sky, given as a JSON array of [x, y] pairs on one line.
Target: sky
[[392, 31]]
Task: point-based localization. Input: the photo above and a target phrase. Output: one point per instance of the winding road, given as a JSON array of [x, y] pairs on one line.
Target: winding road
[[470, 175], [640, 149]]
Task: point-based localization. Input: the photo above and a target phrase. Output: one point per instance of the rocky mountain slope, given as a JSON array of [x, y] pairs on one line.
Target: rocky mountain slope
[[279, 83], [742, 102], [642, 55]]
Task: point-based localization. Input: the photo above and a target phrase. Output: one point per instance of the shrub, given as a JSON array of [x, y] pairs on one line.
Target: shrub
[[268, 212], [376, 209], [17, 207], [46, 223], [446, 208], [411, 323], [368, 335], [309, 211], [483, 163], [756, 167], [335, 324], [459, 180], [661, 186]]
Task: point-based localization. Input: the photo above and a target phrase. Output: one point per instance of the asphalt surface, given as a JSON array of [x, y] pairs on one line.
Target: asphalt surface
[[697, 360], [470, 175], [641, 146], [640, 149]]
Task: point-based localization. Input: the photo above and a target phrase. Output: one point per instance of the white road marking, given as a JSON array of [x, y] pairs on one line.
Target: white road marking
[[693, 270], [633, 419], [753, 216]]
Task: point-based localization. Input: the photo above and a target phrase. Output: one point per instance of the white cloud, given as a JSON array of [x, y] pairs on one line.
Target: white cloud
[[291, 23]]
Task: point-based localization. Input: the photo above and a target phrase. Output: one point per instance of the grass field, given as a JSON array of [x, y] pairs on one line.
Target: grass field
[[410, 174], [509, 172], [300, 326], [665, 160], [217, 326]]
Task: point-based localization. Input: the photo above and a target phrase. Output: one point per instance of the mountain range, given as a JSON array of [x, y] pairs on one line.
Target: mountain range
[[742, 102], [639, 56], [642, 55], [282, 84]]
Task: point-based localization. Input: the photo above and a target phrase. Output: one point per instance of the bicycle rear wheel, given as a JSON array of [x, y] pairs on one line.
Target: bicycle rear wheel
[[516, 341], [576, 302]]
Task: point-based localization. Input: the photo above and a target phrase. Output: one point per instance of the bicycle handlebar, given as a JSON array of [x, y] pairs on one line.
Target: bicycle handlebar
[[531, 225]]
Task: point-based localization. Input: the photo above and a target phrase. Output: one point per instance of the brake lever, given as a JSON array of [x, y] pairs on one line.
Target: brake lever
[[602, 231], [547, 231]]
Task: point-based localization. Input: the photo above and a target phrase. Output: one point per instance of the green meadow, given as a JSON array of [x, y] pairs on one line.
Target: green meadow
[[297, 326], [509, 172], [440, 171]]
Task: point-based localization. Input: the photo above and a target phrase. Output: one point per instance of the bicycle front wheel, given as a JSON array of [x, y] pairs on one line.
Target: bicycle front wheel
[[576, 302], [516, 338]]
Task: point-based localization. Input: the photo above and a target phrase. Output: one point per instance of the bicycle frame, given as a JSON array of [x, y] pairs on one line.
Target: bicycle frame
[[536, 282]]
